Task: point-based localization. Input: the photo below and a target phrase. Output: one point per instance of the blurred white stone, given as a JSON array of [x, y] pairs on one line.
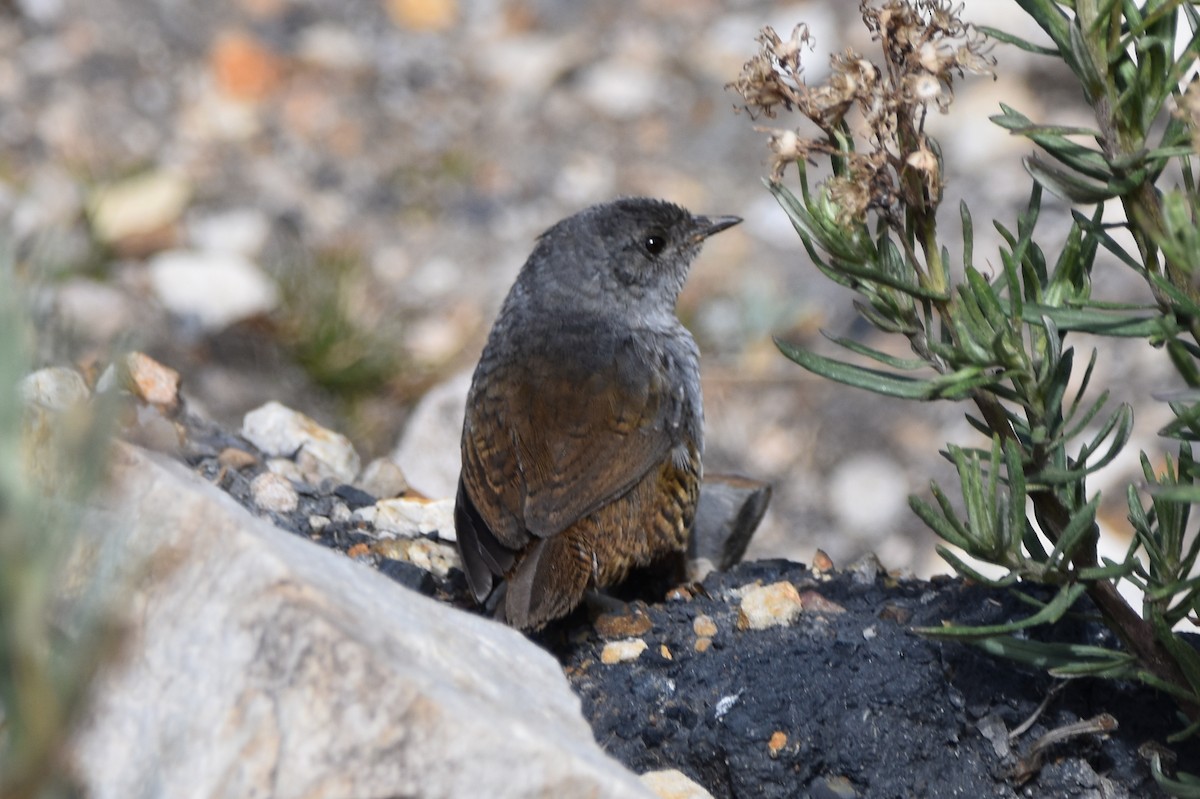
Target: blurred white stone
[[621, 90], [138, 205], [767, 221], [43, 12], [383, 479], [51, 200], [526, 66], [429, 451], [868, 493], [95, 310], [216, 288], [240, 230], [280, 431], [330, 46], [285, 467], [55, 388]]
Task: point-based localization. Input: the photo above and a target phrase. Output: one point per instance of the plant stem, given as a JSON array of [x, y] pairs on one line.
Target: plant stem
[[1135, 633]]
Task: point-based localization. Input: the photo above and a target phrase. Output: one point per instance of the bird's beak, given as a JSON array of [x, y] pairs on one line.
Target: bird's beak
[[705, 226]]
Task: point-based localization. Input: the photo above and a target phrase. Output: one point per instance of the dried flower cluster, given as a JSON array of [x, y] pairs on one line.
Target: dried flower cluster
[[925, 46]]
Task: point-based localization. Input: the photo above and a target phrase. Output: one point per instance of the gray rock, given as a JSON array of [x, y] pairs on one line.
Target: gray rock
[[382, 478], [428, 451], [258, 664]]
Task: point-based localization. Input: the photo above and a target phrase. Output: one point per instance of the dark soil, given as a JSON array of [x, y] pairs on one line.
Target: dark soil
[[844, 702], [854, 703]]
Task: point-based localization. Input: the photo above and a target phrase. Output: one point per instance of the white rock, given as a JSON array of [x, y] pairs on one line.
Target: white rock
[[282, 432], [341, 512], [55, 388], [413, 517], [285, 467], [274, 493], [216, 288], [254, 663], [429, 451], [138, 205], [240, 230]]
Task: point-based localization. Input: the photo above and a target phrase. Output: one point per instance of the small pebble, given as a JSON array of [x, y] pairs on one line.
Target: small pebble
[[822, 562], [272, 492], [704, 626], [864, 570], [383, 479], [836, 787], [815, 603], [622, 651], [631, 623], [236, 459], [673, 784], [353, 496], [149, 380], [285, 468], [434, 557], [775, 605], [55, 388], [408, 517], [282, 432], [778, 740]]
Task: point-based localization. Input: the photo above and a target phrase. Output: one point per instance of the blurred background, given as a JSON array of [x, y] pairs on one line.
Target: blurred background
[[323, 203]]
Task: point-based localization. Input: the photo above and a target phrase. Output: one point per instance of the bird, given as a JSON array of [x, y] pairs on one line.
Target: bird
[[583, 434]]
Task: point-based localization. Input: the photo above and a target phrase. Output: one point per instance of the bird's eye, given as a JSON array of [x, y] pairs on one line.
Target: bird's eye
[[654, 243]]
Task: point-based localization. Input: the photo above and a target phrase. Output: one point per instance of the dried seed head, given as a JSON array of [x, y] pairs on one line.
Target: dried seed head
[[871, 117]]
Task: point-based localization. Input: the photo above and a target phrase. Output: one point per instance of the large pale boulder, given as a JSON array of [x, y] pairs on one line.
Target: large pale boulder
[[259, 664]]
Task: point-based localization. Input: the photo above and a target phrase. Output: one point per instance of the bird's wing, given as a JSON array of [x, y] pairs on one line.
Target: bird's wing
[[590, 437], [578, 428]]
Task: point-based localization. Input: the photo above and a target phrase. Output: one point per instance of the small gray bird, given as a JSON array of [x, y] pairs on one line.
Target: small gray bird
[[583, 434]]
